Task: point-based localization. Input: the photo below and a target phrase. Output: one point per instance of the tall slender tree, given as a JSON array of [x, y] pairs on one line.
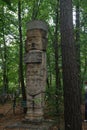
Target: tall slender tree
[[5, 76], [56, 43], [56, 54], [4, 56], [72, 112], [21, 76], [78, 32], [78, 41]]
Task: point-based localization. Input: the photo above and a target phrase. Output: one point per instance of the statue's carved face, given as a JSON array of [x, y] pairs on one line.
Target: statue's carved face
[[33, 43], [36, 40]]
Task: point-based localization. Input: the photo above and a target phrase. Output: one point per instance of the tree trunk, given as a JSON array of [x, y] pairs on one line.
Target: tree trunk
[[21, 76], [5, 77], [72, 112], [78, 43], [78, 34], [49, 75], [4, 59], [56, 45], [57, 72], [56, 54]]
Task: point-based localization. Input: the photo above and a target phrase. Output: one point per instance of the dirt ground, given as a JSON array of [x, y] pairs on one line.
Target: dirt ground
[[8, 117]]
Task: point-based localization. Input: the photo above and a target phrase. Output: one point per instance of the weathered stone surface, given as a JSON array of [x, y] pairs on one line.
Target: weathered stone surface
[[36, 33], [36, 39], [28, 125], [35, 60], [37, 24], [33, 57]]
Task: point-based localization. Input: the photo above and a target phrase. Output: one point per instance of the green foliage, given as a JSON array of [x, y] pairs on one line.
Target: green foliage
[[45, 10], [54, 103], [8, 2]]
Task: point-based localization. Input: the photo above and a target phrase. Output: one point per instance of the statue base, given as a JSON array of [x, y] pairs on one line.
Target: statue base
[[28, 125]]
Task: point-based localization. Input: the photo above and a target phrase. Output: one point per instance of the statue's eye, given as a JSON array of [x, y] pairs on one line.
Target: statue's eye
[[33, 45], [30, 40]]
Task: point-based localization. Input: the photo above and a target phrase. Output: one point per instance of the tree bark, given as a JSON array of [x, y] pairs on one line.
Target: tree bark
[[72, 112], [56, 45], [56, 20], [4, 59], [5, 77], [78, 33], [78, 43], [21, 76]]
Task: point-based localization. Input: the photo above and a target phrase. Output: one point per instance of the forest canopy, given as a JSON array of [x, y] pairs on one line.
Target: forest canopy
[[66, 47], [10, 38]]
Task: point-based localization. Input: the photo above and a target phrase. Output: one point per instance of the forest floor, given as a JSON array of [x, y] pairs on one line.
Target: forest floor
[[8, 117]]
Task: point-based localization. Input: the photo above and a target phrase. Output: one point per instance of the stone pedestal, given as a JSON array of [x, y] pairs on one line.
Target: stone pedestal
[[30, 126], [35, 60]]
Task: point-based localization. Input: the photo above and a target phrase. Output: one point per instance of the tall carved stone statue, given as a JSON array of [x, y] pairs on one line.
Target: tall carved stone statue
[[35, 60]]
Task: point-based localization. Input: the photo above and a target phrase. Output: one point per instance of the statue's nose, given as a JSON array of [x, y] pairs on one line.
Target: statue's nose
[[33, 45]]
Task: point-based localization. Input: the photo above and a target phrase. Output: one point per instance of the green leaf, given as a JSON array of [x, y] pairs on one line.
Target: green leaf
[[8, 2]]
